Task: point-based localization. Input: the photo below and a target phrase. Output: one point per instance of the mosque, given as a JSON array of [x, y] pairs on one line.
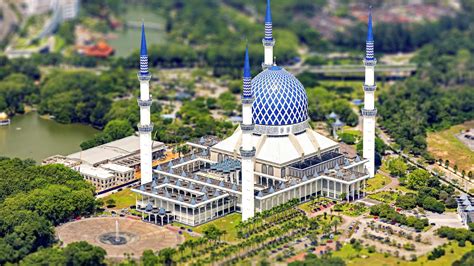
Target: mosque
[[273, 156]]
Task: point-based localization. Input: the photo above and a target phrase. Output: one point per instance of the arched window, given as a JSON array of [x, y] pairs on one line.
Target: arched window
[[270, 170], [283, 172], [219, 157], [264, 169]]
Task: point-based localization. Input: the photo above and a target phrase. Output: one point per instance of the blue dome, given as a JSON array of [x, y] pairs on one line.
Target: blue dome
[[280, 98]]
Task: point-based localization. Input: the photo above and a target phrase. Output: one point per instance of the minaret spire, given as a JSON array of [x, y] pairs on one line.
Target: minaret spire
[[268, 23], [247, 150], [268, 41], [369, 44], [247, 87], [143, 53], [369, 111], [145, 127]]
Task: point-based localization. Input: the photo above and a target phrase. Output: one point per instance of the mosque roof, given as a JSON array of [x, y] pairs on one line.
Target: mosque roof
[[279, 150], [280, 98]]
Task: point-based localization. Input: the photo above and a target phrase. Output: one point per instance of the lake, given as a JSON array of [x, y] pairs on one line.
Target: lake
[[128, 39], [30, 136]]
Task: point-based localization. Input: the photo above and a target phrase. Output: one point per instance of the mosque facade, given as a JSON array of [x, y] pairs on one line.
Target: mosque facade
[[274, 156]]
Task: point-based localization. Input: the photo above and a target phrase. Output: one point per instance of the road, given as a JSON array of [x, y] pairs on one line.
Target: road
[[392, 70], [9, 19]]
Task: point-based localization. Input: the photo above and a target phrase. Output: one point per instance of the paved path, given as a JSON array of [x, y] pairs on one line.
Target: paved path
[[9, 19]]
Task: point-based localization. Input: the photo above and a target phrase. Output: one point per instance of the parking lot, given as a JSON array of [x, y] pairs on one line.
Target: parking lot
[[450, 219]]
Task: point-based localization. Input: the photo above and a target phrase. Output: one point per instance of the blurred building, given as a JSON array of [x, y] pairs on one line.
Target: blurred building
[[99, 50], [466, 209], [69, 9]]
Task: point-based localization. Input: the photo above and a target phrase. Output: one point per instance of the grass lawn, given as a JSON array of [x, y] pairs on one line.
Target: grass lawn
[[123, 199], [353, 257], [227, 223], [445, 145], [384, 196], [305, 206], [377, 182], [351, 209]]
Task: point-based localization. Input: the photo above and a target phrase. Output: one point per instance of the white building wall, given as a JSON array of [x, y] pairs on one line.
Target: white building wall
[[369, 122], [145, 137]]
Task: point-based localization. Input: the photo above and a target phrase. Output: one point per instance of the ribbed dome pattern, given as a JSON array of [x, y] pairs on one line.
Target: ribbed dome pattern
[[280, 98]]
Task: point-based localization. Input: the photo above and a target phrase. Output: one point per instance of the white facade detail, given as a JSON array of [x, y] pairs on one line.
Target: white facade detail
[[145, 128]]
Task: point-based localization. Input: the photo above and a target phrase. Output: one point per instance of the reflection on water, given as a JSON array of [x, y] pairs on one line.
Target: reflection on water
[[30, 136]]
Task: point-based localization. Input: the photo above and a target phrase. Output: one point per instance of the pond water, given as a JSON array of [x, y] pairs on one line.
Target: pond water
[[128, 39], [30, 136]]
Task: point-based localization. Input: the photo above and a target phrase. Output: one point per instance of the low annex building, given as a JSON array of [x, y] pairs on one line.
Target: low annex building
[[108, 165], [274, 156]]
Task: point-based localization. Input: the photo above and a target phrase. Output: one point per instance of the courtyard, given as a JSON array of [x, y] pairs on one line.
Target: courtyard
[[137, 236]]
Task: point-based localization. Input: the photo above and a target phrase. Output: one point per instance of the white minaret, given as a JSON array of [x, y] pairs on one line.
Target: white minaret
[[247, 150], [369, 112], [268, 41], [145, 127]]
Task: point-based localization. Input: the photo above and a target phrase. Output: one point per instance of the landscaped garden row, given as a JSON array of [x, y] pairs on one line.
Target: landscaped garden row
[[351, 209], [388, 213]]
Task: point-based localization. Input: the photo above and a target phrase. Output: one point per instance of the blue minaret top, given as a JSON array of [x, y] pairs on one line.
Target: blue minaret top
[[143, 54], [370, 36], [268, 23], [268, 15], [369, 44], [247, 88]]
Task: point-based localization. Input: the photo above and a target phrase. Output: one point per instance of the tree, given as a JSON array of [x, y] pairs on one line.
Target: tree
[[417, 179], [166, 256], [431, 204], [110, 203], [348, 138], [397, 167], [446, 164], [149, 258], [455, 168], [407, 201], [336, 221], [46, 256], [436, 253], [313, 260], [118, 129], [83, 253]]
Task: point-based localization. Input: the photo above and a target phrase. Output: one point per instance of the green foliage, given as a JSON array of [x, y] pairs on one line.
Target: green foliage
[[15, 90], [78, 253], [417, 179], [194, 120], [81, 96], [387, 212], [227, 102], [397, 167], [45, 256], [66, 31], [431, 204], [459, 234], [407, 201], [397, 37], [32, 199], [313, 260], [348, 138], [466, 260], [440, 95]]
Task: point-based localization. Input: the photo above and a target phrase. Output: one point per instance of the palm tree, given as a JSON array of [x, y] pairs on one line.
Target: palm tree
[[166, 256], [335, 222]]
